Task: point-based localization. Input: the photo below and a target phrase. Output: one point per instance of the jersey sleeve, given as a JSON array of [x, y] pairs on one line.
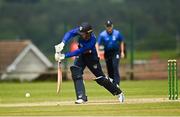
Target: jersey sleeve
[[89, 45], [70, 34], [100, 39], [120, 37]]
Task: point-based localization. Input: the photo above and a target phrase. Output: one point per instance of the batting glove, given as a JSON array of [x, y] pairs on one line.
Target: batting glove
[[59, 47], [59, 56]]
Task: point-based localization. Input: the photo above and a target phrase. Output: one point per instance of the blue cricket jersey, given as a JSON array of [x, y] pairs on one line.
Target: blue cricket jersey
[[84, 45], [110, 41]]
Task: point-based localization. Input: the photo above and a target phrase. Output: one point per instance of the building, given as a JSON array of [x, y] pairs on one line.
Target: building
[[22, 60]]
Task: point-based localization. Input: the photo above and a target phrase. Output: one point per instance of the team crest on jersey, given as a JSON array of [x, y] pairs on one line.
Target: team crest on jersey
[[80, 28], [117, 56], [113, 38]]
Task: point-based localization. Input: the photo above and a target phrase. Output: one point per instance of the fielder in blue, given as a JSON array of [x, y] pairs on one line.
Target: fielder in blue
[[86, 56], [112, 42]]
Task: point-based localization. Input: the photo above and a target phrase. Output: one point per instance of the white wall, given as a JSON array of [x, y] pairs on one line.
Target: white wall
[[30, 63]]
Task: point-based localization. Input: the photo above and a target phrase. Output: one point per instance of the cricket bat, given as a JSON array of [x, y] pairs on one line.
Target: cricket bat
[[59, 77]]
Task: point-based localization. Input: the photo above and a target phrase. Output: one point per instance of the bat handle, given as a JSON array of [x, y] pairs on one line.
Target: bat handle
[[59, 64], [59, 61]]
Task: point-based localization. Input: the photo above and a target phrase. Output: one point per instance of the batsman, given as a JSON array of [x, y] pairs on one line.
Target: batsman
[[85, 56]]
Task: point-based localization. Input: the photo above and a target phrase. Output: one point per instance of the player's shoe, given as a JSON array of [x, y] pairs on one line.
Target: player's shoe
[[80, 101], [121, 97]]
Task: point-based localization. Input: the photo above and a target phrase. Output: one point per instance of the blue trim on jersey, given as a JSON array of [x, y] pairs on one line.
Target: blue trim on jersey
[[110, 41]]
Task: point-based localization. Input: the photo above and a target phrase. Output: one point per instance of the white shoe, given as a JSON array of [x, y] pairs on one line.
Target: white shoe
[[80, 101], [121, 97]]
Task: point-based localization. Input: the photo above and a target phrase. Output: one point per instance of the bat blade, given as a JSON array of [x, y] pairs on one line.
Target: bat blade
[[59, 78]]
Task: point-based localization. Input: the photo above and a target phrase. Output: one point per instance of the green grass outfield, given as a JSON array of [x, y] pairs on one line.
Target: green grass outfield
[[142, 98]]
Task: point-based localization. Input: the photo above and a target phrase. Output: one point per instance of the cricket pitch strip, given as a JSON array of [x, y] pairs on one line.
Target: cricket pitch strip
[[90, 102]]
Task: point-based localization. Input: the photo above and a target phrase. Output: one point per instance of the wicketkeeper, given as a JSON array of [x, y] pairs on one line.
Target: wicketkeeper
[[86, 55]]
